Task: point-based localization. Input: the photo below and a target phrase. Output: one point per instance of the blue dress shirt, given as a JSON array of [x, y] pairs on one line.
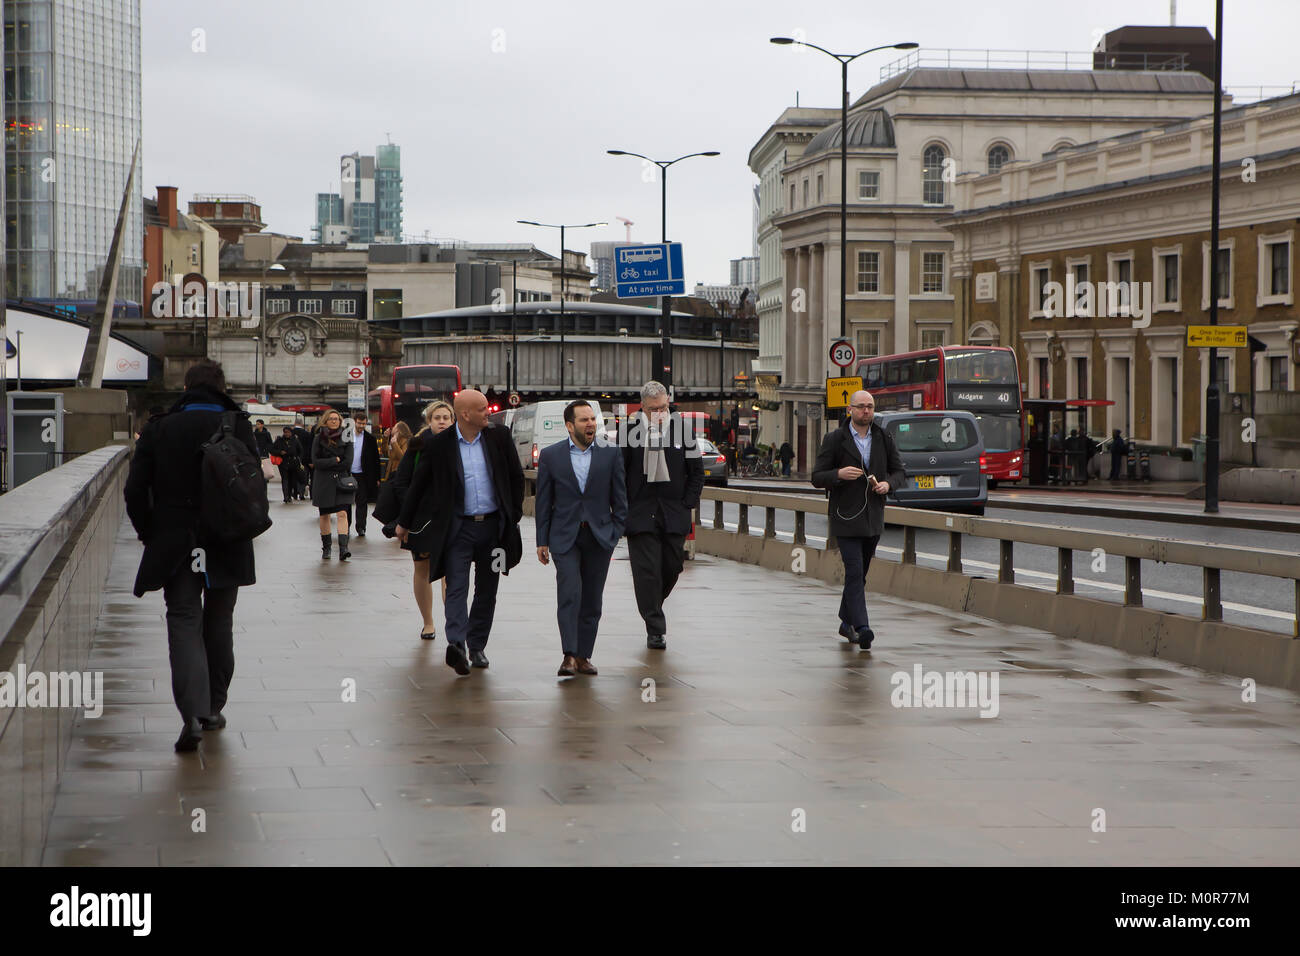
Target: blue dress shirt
[[581, 460], [479, 496], [864, 447]]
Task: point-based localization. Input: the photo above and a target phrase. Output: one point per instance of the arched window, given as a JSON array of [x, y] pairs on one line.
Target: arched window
[[932, 174], [998, 155]]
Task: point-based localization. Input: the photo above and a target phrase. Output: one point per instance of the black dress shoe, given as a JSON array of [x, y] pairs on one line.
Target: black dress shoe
[[361, 534], [846, 630], [478, 659], [656, 642], [215, 722], [456, 658], [865, 637], [429, 636], [191, 734]]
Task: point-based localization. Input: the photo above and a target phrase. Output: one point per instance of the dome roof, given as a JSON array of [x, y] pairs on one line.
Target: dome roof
[[869, 128]]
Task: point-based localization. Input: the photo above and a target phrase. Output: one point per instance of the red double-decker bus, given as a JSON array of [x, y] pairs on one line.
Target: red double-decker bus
[[981, 379], [413, 387]]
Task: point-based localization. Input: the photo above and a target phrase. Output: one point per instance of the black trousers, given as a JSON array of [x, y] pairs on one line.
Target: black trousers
[[477, 543], [288, 480], [200, 642], [856, 554], [580, 575], [360, 499], [656, 559]]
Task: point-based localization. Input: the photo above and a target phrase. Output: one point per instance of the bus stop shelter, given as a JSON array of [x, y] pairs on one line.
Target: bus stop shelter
[[1052, 457]]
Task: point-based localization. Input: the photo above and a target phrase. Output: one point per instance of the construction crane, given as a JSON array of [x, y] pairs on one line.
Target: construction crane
[[629, 224]]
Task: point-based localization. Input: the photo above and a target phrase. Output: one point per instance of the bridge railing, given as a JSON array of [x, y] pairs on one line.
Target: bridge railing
[[1212, 559]]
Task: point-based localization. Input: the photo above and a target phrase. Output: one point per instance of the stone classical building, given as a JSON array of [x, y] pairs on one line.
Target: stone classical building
[[1135, 208], [909, 138]]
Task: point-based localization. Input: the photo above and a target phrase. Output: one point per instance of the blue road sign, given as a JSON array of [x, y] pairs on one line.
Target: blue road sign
[[646, 270]]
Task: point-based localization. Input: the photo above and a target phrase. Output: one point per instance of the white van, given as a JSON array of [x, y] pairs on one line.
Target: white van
[[539, 425]]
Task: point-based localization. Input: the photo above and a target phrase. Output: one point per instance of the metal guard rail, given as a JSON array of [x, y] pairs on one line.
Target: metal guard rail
[[1212, 559]]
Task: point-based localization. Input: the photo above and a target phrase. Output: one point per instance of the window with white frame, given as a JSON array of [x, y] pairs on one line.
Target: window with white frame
[[868, 271], [868, 185], [868, 342], [343, 306], [1167, 270], [1275, 287], [932, 272], [309, 306], [1083, 300], [1119, 295], [999, 155], [932, 161], [1039, 275], [1277, 373], [1223, 265], [276, 306], [1222, 371], [932, 338]]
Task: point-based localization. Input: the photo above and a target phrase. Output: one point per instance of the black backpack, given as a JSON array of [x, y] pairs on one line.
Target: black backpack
[[235, 504]]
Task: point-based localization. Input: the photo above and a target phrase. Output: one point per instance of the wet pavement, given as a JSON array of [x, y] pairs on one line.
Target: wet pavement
[[767, 739]]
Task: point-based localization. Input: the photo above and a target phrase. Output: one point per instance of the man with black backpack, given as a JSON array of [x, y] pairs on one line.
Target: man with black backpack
[[196, 498]]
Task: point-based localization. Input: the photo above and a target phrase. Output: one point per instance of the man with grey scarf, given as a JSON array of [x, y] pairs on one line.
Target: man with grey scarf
[[664, 479]]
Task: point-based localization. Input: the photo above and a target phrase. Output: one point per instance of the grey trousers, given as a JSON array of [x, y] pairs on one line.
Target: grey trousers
[[580, 575], [200, 642]]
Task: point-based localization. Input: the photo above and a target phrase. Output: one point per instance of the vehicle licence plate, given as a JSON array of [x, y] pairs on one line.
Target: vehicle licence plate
[[925, 482], [943, 481]]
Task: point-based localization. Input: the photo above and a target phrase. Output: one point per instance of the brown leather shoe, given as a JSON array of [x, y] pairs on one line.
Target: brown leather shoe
[[566, 666], [585, 666]]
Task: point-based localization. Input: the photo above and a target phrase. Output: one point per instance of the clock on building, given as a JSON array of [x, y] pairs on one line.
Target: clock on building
[[294, 341]]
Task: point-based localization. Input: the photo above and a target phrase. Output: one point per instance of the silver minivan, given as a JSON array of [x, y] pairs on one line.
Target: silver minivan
[[941, 453], [539, 425]]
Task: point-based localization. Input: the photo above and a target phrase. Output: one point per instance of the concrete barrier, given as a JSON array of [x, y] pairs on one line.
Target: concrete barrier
[[57, 534]]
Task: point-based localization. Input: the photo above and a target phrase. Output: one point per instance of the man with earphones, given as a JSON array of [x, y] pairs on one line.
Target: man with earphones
[[857, 464]]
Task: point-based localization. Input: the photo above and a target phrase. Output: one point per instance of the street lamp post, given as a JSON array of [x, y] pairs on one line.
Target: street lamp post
[[561, 227], [845, 59], [1212, 392], [665, 373], [512, 368]]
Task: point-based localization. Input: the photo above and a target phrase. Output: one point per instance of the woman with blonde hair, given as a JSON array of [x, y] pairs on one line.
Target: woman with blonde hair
[[333, 488], [399, 437], [438, 416]]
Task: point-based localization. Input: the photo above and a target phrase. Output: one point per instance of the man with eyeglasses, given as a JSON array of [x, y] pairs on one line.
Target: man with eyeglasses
[[857, 464]]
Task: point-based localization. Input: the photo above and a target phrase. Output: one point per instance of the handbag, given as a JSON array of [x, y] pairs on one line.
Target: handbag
[[346, 483], [268, 470], [277, 460]]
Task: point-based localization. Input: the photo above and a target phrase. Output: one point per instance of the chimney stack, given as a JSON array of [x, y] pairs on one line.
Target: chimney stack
[[167, 205]]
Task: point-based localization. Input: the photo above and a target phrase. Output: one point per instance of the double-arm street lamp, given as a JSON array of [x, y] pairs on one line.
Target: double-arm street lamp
[[512, 369], [665, 373], [845, 59], [561, 227]]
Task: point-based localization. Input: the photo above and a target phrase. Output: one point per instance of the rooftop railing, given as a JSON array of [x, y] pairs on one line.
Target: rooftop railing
[[948, 59]]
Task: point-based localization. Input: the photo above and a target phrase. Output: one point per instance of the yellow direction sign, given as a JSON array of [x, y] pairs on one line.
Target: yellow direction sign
[[839, 390], [1216, 336]]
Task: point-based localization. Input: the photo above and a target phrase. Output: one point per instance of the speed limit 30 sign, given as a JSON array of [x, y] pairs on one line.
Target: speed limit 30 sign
[[842, 353]]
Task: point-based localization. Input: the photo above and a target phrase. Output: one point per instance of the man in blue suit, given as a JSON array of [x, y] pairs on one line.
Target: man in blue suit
[[581, 509]]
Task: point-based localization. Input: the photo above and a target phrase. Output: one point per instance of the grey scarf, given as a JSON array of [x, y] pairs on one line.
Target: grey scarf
[[656, 465]]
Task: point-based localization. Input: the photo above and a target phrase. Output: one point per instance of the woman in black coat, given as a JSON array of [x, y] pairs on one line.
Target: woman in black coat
[[333, 487], [287, 449]]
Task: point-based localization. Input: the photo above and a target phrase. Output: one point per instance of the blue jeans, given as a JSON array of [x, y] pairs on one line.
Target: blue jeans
[[856, 554], [476, 542]]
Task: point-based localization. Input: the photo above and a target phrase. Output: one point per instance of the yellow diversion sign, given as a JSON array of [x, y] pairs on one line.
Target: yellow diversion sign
[[840, 390], [1216, 336]]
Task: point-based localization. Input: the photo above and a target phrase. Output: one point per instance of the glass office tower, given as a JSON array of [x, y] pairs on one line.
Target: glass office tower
[[72, 120]]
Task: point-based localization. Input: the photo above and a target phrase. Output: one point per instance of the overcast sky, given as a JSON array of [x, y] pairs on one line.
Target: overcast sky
[[504, 109]]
